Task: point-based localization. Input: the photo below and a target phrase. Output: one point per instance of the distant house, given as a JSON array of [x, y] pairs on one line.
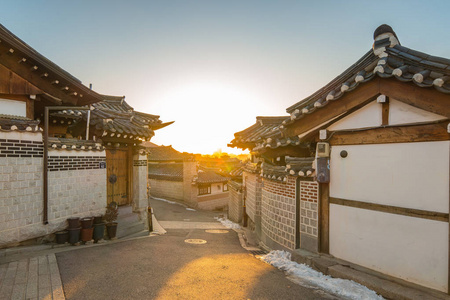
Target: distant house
[[177, 176], [52, 167], [378, 197]]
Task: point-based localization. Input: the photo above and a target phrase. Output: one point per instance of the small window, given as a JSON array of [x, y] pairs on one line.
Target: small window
[[204, 189], [225, 187]]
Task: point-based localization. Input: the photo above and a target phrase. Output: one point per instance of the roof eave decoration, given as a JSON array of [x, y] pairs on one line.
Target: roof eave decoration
[[295, 167], [57, 84], [386, 59], [250, 137], [19, 124]]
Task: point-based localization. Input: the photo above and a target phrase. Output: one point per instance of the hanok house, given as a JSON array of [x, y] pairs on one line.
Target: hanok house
[[271, 184], [375, 126], [177, 176], [46, 175], [121, 130]]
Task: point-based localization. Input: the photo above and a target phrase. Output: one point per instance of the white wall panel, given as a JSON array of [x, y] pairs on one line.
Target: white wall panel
[[410, 175], [367, 116], [402, 113], [410, 248]]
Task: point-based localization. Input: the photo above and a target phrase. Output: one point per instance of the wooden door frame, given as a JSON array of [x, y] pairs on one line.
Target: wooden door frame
[[129, 165]]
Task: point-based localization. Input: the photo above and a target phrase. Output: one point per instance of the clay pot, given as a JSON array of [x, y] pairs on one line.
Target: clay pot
[[74, 222], [86, 223], [74, 235], [86, 234], [98, 219], [62, 236], [111, 228], [99, 231]]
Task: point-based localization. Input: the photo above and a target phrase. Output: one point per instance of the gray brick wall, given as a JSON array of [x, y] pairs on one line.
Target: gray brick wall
[[253, 186], [71, 193], [278, 211]]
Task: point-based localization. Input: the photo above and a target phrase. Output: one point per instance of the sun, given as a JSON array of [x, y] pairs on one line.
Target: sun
[[206, 116]]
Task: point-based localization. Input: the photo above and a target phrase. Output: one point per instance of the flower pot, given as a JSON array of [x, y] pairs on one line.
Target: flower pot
[[74, 222], [86, 234], [98, 219], [99, 230], [62, 236], [86, 223], [111, 228], [74, 235]]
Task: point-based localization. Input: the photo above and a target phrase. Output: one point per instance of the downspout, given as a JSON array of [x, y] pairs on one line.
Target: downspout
[[45, 175]]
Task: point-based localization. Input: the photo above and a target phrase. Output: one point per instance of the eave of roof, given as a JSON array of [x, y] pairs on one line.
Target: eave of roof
[[74, 91]]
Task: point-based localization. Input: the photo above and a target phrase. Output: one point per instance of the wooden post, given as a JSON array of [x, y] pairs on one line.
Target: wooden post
[[324, 218], [385, 112]]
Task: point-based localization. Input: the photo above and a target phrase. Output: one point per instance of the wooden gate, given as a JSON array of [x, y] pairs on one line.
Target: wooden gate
[[117, 176]]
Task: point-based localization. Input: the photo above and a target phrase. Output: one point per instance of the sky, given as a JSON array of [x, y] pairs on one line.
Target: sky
[[213, 66]]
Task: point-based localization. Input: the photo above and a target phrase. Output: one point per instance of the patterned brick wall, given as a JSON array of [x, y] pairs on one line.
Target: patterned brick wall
[[309, 195], [253, 186], [21, 148], [278, 211], [70, 163], [140, 163], [71, 192]]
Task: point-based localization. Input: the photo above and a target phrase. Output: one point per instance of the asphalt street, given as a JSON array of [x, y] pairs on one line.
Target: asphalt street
[[167, 267]]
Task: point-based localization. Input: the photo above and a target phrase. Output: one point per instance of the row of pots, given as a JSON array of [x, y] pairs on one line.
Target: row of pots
[[91, 228]]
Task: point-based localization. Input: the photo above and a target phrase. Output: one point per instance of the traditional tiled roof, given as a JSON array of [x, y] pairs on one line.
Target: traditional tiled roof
[[166, 153], [55, 84], [74, 144], [237, 172], [208, 176], [17, 123], [299, 166], [114, 117], [252, 167], [166, 171], [386, 59], [237, 186], [264, 126], [295, 166], [277, 173]]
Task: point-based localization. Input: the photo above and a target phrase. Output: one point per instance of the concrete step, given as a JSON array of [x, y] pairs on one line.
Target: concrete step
[[127, 229]]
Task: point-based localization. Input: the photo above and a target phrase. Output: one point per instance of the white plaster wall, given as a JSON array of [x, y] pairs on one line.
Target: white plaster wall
[[217, 188], [411, 175], [367, 116], [413, 249], [13, 107], [401, 113]]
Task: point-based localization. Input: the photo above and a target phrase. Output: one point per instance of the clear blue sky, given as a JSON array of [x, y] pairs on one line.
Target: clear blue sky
[[213, 66]]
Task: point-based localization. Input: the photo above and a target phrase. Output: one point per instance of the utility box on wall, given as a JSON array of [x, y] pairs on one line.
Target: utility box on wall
[[323, 170]]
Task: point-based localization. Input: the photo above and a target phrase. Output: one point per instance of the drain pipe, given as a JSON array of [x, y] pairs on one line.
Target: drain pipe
[[45, 175]]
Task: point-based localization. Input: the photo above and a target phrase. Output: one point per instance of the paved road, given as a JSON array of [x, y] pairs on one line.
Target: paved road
[[166, 267]]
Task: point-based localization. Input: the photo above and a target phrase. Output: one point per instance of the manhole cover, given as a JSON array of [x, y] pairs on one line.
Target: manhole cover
[[216, 231], [195, 241]]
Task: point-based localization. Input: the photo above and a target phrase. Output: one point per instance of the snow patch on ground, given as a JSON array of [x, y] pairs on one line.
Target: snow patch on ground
[[190, 209], [302, 274], [227, 223]]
